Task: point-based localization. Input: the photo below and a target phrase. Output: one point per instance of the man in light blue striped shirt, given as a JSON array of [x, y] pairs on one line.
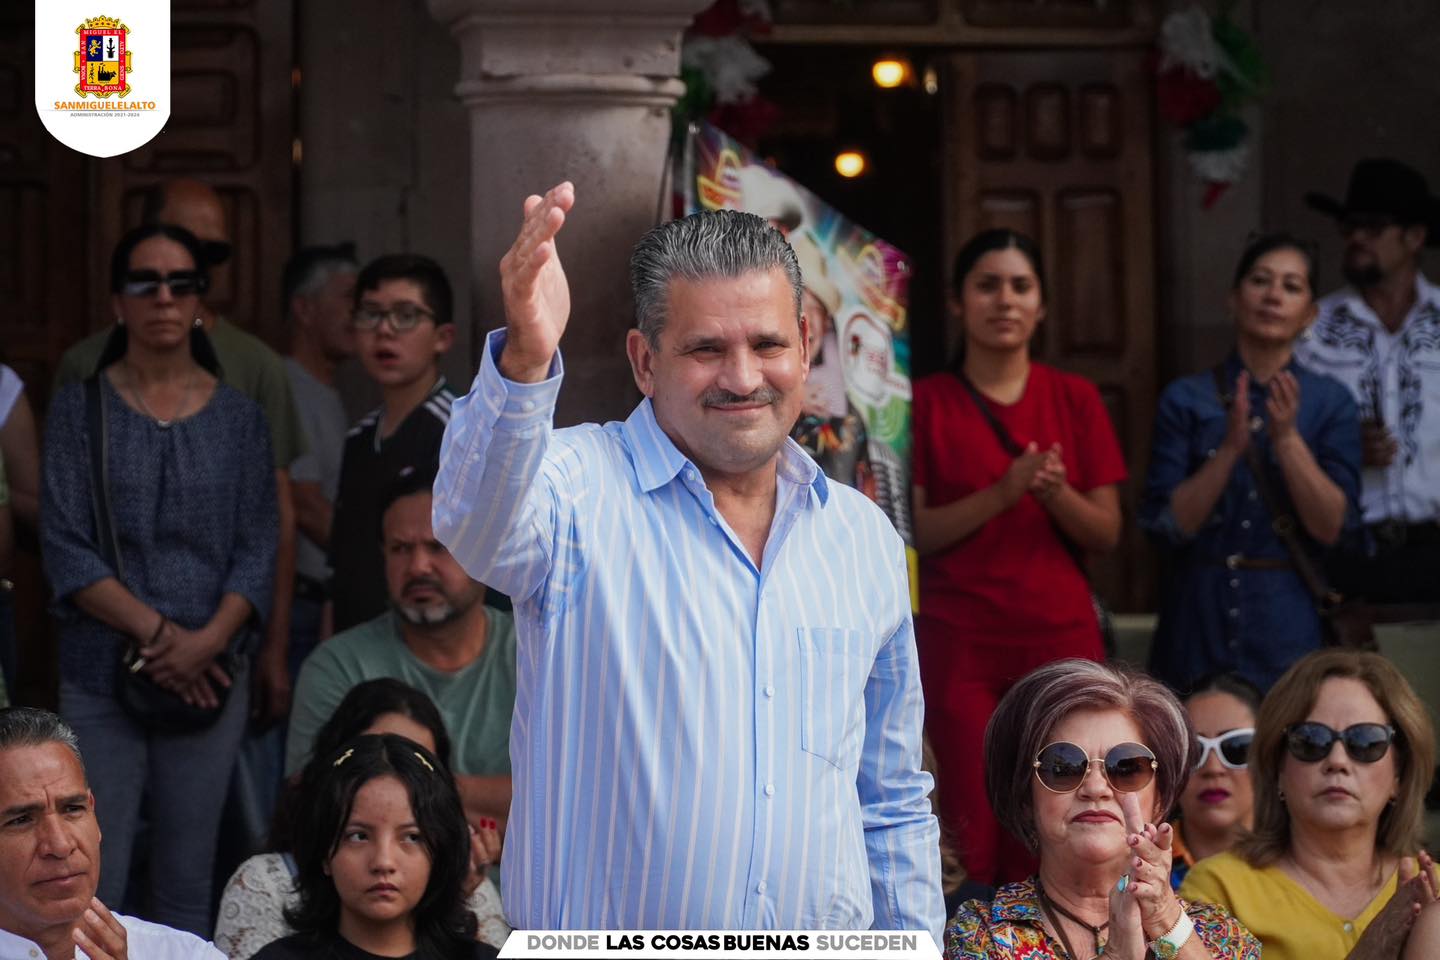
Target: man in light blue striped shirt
[[718, 711]]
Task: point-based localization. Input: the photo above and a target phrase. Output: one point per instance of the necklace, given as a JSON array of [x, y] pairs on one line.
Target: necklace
[[160, 422], [1053, 908]]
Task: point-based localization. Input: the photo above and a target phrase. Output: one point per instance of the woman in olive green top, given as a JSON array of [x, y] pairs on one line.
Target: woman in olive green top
[[1341, 761]]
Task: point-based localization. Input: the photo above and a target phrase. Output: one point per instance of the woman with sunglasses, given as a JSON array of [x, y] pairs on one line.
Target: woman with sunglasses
[[180, 574], [1082, 759], [1237, 450], [1218, 802], [1342, 758]]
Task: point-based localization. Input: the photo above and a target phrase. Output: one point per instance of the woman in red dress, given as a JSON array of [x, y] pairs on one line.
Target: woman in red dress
[[1016, 478]]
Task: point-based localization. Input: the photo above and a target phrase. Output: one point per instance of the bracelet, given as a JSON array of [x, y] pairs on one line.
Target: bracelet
[[159, 629], [1167, 945]]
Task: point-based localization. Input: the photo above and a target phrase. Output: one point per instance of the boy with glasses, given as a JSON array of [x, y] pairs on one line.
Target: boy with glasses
[[403, 325]]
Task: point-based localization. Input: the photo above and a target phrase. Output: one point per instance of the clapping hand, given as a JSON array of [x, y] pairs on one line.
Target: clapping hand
[[1237, 434], [1283, 404], [1050, 478], [1019, 478], [533, 284], [1146, 908]]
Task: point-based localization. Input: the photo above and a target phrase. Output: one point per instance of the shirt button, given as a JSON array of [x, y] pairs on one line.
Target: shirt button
[[1234, 583], [1244, 524], [528, 405], [760, 887], [1254, 495], [1210, 453], [1348, 927], [769, 690], [769, 789], [1234, 613]]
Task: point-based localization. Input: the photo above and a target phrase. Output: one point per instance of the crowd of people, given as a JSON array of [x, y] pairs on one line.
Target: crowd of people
[[437, 659]]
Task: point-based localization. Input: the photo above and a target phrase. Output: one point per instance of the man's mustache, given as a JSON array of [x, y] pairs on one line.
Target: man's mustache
[[430, 582], [716, 397]]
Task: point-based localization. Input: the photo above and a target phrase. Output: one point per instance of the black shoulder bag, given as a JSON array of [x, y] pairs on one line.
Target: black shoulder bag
[[1102, 614], [146, 702], [1346, 623]]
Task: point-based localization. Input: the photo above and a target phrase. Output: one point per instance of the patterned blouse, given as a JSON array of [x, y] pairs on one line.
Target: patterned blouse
[[1010, 928]]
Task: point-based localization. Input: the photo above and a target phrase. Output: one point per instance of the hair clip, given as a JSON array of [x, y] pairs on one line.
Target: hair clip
[[343, 757], [421, 757]]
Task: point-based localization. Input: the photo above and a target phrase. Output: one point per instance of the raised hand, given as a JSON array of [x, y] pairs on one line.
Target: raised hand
[[100, 935], [536, 293], [1283, 404], [1150, 856], [1016, 481], [1237, 437]]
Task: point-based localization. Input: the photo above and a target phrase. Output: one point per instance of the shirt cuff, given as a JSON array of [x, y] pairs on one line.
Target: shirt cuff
[[517, 405]]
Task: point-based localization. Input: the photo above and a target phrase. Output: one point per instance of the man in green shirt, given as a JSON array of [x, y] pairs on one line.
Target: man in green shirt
[[255, 370], [439, 637]]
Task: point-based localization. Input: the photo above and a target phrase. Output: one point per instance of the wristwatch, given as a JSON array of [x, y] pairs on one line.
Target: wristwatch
[[1167, 945]]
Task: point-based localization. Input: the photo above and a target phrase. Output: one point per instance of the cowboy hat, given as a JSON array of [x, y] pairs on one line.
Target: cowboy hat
[[1386, 188]]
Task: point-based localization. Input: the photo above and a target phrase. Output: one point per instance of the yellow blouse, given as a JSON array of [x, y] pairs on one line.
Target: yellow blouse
[[1291, 924]]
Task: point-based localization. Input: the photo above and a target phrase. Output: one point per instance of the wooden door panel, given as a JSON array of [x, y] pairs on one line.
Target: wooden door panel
[[1058, 145]]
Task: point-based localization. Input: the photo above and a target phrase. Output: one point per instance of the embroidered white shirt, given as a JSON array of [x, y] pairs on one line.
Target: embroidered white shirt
[[143, 940], [1395, 378]]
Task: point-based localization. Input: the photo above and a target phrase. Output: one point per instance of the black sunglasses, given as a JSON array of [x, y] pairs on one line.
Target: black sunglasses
[[1311, 742], [1062, 766], [146, 283]]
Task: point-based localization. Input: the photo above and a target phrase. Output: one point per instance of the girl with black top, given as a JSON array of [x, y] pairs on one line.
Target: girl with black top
[[383, 854]]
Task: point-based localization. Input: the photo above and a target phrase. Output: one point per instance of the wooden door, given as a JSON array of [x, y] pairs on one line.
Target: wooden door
[[232, 123], [1058, 144]]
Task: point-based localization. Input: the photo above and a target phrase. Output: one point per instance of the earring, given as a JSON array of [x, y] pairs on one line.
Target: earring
[[1280, 794], [119, 320], [199, 323]]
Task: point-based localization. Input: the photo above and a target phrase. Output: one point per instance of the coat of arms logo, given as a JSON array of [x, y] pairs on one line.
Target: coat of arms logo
[[104, 59]]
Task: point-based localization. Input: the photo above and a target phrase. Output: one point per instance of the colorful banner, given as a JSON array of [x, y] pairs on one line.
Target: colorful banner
[[856, 419]]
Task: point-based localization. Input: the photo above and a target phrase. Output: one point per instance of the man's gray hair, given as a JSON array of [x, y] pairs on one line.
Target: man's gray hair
[[29, 727], [703, 246]]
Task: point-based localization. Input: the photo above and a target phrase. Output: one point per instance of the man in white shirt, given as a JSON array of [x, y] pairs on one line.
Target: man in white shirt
[[1380, 336], [50, 857]]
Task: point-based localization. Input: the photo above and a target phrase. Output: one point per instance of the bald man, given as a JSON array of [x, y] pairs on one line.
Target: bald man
[[255, 370]]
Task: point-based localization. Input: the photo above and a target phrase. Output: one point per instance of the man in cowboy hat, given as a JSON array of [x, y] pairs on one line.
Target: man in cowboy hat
[[1380, 336]]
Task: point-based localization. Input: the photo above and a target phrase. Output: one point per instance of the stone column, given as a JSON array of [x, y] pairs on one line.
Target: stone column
[[575, 90]]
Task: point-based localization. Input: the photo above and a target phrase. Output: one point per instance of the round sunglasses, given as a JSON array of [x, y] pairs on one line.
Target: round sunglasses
[[1311, 742], [1062, 766], [1233, 748]]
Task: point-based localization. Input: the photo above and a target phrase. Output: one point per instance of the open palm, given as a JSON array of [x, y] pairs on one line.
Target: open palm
[[535, 291]]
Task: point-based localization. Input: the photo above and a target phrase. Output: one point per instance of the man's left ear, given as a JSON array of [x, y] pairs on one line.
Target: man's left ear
[[444, 338]]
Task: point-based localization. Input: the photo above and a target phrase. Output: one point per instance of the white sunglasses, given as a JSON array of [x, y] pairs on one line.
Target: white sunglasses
[[1233, 748]]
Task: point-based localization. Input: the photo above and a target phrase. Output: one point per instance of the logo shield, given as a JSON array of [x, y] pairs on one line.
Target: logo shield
[[115, 94]]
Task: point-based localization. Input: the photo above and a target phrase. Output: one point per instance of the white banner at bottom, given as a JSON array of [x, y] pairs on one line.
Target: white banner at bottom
[[687, 944]]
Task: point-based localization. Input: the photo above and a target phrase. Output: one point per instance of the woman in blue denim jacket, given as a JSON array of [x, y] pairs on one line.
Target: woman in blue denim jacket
[[1232, 599]]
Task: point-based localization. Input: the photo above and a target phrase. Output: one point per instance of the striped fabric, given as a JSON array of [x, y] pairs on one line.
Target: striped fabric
[[697, 744]]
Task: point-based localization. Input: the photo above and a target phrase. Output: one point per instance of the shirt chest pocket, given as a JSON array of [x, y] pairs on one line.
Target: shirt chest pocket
[[834, 667]]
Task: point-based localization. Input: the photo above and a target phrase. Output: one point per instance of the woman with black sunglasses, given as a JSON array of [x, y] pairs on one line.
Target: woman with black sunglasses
[[1217, 805], [1342, 757], [158, 530], [1082, 759]]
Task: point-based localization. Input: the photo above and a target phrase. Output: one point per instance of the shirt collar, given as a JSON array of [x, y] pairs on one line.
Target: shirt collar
[[658, 461], [1426, 293]]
